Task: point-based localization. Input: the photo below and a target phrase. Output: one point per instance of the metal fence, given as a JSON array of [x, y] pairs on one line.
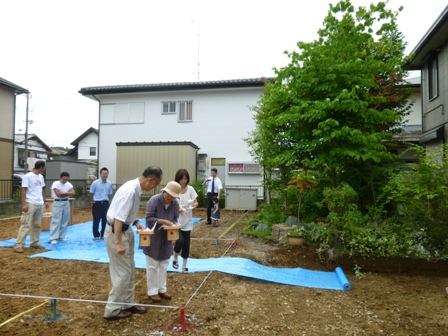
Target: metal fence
[[10, 187]]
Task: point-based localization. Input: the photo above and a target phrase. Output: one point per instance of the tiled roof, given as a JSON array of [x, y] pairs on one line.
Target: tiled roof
[[218, 84], [16, 88], [158, 143], [20, 139], [82, 136], [433, 40], [414, 80]]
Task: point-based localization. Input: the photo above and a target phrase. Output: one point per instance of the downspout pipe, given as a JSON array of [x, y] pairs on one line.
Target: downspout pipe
[[25, 170], [197, 163], [98, 144]]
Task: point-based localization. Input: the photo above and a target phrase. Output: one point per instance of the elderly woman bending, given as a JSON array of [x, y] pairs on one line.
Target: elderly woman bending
[[161, 210]]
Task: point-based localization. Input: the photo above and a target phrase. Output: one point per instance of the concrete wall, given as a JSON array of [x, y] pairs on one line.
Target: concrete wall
[[77, 170]]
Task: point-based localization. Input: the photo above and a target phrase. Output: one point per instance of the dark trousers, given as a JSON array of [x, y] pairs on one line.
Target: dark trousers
[[183, 243], [210, 205], [99, 213]]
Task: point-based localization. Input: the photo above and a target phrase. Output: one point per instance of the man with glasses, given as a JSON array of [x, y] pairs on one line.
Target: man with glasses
[[100, 191], [119, 239]]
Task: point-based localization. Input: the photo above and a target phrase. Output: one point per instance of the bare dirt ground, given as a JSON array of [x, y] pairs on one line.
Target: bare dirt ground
[[394, 297]]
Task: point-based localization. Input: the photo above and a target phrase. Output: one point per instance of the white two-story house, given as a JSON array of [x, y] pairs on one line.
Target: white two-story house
[[85, 147], [37, 150], [192, 125]]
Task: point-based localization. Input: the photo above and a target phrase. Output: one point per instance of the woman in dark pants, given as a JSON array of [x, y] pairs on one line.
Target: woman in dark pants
[[187, 201]]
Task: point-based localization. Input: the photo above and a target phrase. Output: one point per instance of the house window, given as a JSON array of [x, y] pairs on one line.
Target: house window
[[126, 113], [92, 151], [168, 107], [185, 111], [433, 78]]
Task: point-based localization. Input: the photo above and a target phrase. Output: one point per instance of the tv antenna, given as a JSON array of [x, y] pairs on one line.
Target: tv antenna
[[198, 34]]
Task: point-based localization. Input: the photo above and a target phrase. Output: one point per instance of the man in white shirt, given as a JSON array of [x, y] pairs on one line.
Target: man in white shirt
[[119, 240], [33, 197], [61, 190], [214, 187]]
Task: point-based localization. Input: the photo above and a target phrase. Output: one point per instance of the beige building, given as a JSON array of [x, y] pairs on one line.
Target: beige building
[[8, 93]]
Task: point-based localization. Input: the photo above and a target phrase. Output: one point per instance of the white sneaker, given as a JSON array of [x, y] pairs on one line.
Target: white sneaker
[[62, 239], [54, 242]]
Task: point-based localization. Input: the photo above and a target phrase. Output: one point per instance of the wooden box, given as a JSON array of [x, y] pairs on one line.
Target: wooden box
[[145, 237], [46, 221], [172, 232]]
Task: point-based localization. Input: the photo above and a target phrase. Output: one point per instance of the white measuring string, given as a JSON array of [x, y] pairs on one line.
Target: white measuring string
[[84, 300]]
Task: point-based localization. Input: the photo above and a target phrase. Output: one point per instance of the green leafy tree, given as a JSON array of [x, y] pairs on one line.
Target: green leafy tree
[[267, 144], [62, 148], [339, 98]]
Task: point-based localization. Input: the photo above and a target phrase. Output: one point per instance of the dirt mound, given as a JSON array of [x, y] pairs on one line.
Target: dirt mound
[[386, 300]]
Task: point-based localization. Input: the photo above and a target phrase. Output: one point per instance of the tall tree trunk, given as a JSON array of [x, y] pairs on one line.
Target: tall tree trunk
[[333, 177]]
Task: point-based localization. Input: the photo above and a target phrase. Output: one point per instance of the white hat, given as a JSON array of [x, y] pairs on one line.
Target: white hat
[[172, 188]]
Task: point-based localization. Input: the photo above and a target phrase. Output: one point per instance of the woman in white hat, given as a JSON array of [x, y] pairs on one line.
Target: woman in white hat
[[161, 210]]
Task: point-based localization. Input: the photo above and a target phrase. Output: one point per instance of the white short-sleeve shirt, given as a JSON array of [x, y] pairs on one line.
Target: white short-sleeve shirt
[[126, 202], [34, 184], [62, 187]]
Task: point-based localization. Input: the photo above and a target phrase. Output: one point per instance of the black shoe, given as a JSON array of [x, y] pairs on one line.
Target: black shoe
[[136, 310], [165, 296], [154, 298], [208, 223], [121, 315]]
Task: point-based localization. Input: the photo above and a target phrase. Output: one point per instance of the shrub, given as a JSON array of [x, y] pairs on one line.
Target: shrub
[[417, 198], [298, 231], [349, 231], [201, 191], [250, 227], [271, 214], [17, 195], [79, 191]]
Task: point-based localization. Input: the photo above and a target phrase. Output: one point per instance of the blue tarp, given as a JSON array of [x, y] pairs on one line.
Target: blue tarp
[[81, 246]]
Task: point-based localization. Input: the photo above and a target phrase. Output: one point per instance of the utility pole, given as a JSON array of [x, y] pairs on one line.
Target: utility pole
[[25, 166]]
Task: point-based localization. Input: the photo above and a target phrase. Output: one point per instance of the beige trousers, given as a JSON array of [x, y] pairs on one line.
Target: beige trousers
[[30, 223], [122, 272]]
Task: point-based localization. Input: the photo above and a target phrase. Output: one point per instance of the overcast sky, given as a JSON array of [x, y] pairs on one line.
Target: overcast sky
[[53, 48]]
